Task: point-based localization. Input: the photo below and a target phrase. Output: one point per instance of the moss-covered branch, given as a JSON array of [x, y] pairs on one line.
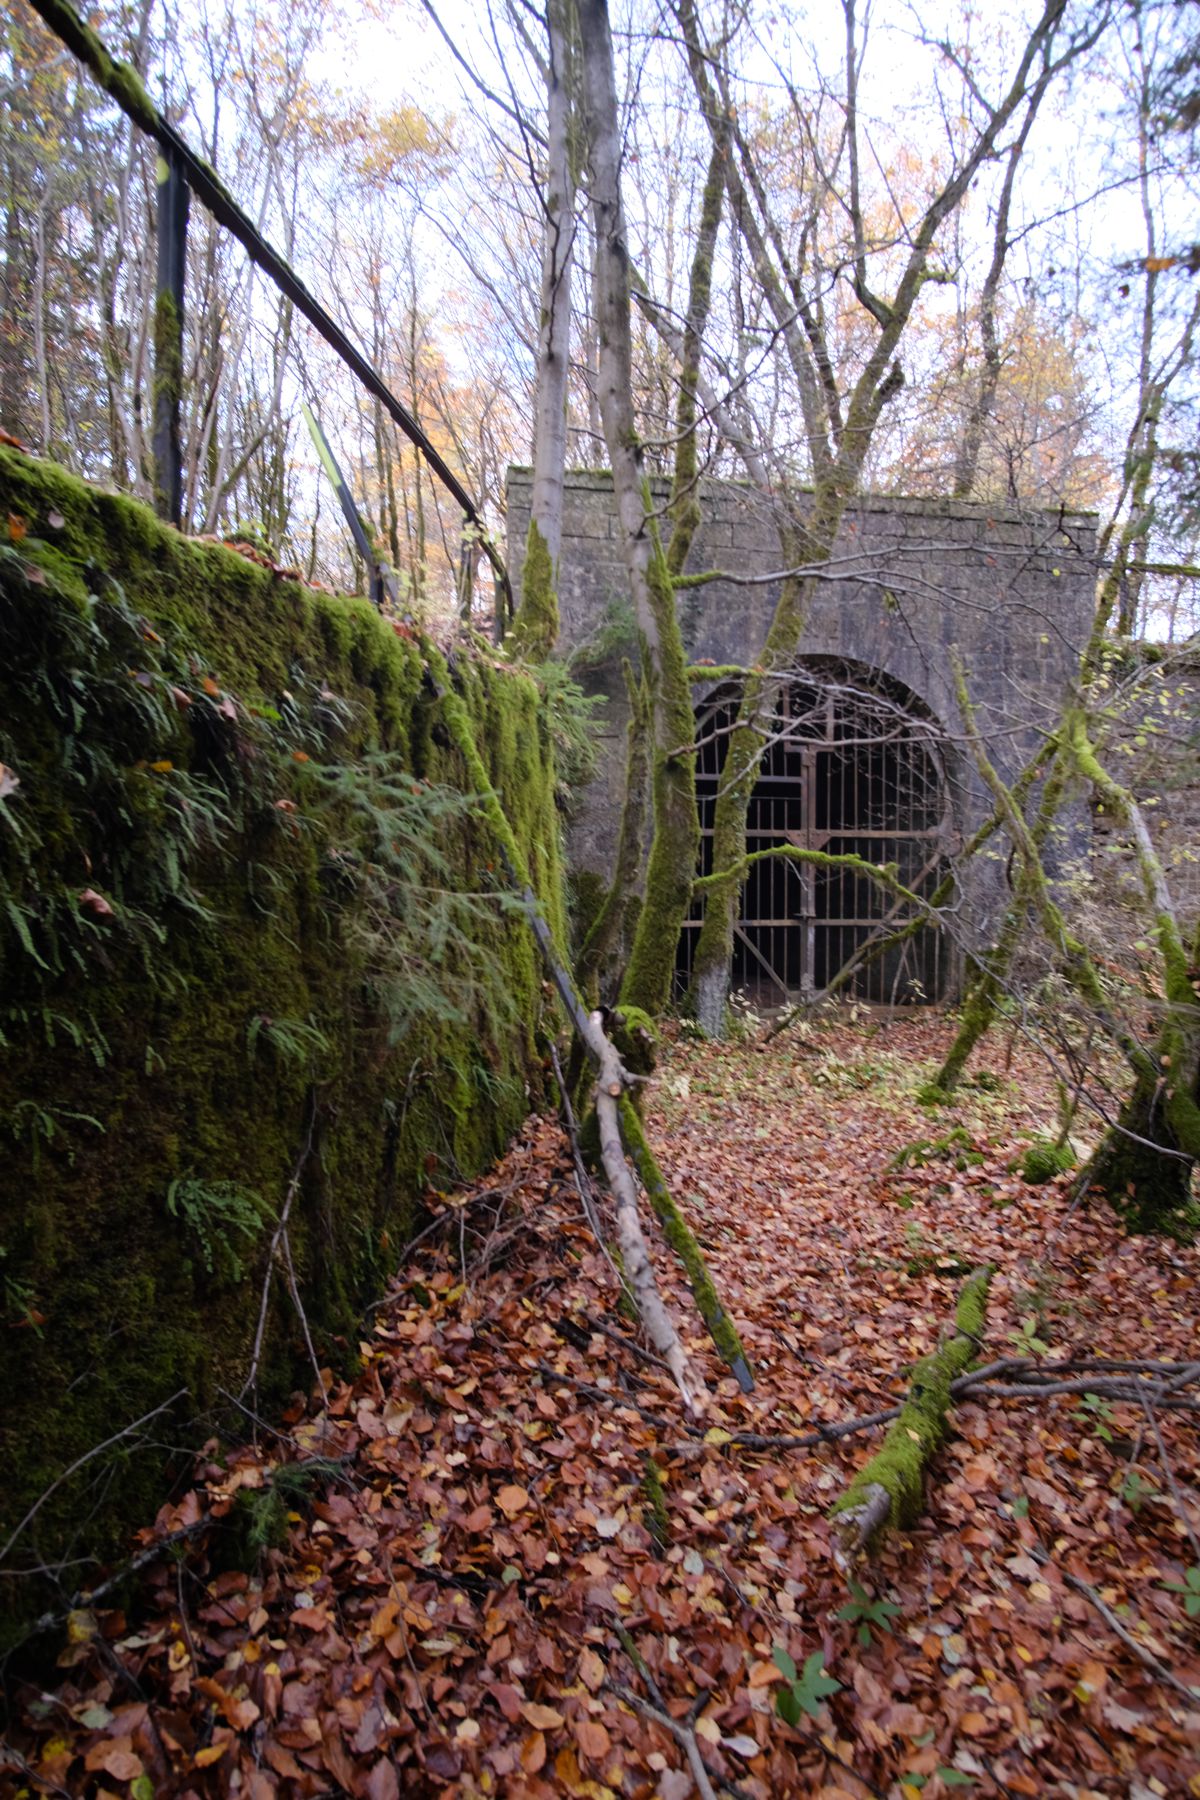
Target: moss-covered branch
[[679, 1235], [889, 1490], [698, 673], [614, 1082], [883, 874]]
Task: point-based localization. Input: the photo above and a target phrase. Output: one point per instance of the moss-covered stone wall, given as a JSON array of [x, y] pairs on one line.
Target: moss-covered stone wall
[[252, 938]]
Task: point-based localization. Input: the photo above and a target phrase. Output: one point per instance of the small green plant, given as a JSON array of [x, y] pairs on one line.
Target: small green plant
[[861, 1610], [1101, 1413], [291, 1040], [43, 1125], [1042, 1160], [805, 1691], [957, 1147], [951, 1778], [571, 714], [260, 1516], [849, 1077], [226, 1220], [1189, 1587], [1025, 1339], [20, 1300], [1136, 1490]]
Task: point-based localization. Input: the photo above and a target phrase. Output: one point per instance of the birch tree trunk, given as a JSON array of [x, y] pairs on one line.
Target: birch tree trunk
[[535, 628]]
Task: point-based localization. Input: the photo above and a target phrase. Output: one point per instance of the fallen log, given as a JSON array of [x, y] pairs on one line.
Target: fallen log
[[889, 1489], [680, 1237], [613, 1082]]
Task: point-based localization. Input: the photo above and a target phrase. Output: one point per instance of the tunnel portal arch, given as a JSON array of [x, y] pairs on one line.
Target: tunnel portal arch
[[855, 764]]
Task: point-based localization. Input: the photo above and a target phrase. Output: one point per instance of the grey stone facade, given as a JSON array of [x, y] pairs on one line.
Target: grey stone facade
[[912, 583]]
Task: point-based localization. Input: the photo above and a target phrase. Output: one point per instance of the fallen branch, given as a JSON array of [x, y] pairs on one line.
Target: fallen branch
[[1146, 1657], [51, 1621], [681, 1238], [250, 1385], [613, 1079], [611, 1083], [683, 1735], [890, 1489]]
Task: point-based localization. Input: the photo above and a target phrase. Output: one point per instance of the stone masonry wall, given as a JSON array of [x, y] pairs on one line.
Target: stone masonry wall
[[911, 583]]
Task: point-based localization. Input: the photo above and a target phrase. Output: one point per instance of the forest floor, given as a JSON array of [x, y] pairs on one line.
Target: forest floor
[[482, 1600]]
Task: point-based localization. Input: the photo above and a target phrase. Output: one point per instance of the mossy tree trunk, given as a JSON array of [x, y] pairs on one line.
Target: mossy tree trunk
[[607, 944], [534, 630], [1145, 1160], [839, 425], [987, 990], [890, 1489], [651, 568]]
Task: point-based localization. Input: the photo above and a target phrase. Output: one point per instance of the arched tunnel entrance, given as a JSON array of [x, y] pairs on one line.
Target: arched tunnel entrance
[[855, 764]]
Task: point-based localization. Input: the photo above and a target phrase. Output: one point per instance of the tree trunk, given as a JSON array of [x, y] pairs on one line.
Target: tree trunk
[[676, 825], [1144, 1162], [535, 628], [1143, 1169]]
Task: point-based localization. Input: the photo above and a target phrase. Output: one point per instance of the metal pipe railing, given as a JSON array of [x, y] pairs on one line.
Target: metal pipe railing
[[124, 85]]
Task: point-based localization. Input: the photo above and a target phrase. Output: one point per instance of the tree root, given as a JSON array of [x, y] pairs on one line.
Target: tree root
[[889, 1490]]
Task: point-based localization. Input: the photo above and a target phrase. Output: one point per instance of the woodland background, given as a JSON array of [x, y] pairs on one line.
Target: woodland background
[[397, 161]]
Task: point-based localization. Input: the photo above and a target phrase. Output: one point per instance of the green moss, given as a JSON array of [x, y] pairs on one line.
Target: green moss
[[1042, 1160], [168, 374], [659, 1518], [126, 1059], [636, 1038], [912, 1441], [679, 1236], [615, 924], [675, 845], [585, 896], [534, 630]]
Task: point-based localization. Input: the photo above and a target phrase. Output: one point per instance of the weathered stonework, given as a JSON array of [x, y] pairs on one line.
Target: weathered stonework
[[912, 583]]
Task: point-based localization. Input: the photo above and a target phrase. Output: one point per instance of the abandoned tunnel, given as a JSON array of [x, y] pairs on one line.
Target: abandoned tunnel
[[865, 754], [854, 765]]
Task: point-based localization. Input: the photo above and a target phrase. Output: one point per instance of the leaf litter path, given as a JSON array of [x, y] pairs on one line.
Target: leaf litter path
[[482, 1601]]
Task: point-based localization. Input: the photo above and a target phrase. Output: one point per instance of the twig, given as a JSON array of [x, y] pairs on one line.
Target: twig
[[79, 1463], [598, 1393], [1169, 1472], [583, 1181], [1106, 1390], [683, 1737], [11, 1758], [625, 1638], [646, 1357], [251, 1382], [1146, 1657], [294, 1290]]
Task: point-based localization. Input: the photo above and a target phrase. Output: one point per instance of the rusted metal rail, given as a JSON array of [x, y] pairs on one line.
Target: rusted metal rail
[[124, 85]]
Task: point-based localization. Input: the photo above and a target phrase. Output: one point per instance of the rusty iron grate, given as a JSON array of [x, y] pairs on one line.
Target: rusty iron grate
[[851, 766]]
